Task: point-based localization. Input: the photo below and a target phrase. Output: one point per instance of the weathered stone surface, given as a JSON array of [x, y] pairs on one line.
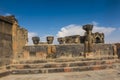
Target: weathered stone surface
[[19, 39], [5, 41], [69, 50], [61, 69], [35, 40], [50, 39], [39, 65], [61, 40], [12, 39], [39, 51], [98, 37], [74, 50], [9, 19], [72, 39]]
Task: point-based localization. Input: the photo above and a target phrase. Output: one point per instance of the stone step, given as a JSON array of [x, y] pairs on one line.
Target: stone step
[[64, 64], [64, 60], [116, 66], [61, 69], [4, 73]]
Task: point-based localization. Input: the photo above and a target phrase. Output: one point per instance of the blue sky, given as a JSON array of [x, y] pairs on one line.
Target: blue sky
[[57, 17]]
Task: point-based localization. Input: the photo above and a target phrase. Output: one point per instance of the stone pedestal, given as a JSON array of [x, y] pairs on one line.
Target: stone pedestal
[[61, 40], [50, 39], [35, 40]]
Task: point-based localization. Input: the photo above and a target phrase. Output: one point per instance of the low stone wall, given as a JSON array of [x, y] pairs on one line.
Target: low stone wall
[[65, 50], [73, 50], [103, 49]]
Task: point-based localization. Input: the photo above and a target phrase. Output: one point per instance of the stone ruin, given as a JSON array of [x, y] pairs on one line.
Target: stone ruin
[[74, 53], [74, 39], [74, 45], [77, 39]]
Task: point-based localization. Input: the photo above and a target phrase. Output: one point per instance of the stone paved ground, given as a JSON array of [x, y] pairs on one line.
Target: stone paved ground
[[111, 74]]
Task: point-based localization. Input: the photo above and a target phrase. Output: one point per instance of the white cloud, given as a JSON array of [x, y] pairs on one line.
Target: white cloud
[[71, 30], [77, 30], [30, 35], [105, 30]]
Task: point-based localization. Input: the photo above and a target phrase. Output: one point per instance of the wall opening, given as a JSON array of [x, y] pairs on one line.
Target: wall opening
[[98, 40]]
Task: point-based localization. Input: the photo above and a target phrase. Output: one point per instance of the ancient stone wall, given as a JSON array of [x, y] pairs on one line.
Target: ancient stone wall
[[103, 49], [65, 50], [5, 41], [78, 50], [19, 39], [53, 51], [35, 52], [74, 50], [12, 39]]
